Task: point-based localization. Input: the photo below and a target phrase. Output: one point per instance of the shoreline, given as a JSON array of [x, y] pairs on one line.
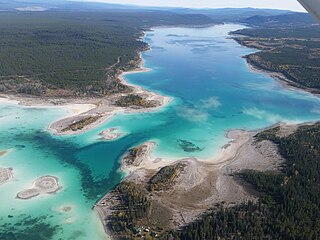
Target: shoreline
[[106, 108], [103, 107], [222, 159], [281, 79], [202, 183], [42, 185]]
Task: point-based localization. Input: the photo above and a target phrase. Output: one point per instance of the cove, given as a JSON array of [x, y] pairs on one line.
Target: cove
[[213, 90]]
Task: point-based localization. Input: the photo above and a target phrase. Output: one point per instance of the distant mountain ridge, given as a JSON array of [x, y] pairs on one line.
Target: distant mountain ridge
[[222, 13], [233, 14], [293, 19]]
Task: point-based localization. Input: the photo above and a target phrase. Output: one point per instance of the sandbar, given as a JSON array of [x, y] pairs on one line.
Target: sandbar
[[5, 175], [110, 134], [42, 185]]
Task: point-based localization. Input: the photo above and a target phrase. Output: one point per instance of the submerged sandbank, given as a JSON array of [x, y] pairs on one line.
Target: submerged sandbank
[[6, 174], [110, 134], [2, 153]]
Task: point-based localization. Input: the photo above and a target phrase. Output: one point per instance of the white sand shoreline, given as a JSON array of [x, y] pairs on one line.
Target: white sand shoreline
[[79, 109], [237, 139]]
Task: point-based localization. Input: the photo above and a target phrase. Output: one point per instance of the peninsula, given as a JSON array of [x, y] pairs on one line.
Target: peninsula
[[174, 199], [288, 53]]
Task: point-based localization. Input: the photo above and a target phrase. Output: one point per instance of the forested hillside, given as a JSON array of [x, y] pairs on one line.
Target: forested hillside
[[75, 53], [290, 45]]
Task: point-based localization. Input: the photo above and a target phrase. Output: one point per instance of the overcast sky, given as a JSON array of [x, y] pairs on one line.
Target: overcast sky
[[277, 4]]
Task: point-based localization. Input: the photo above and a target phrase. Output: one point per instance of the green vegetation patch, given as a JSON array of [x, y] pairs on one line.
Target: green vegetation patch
[[79, 125], [134, 206], [135, 100], [64, 51], [269, 134], [164, 179], [133, 155]]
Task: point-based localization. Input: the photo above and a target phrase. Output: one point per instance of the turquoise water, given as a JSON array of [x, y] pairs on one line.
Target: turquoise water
[[213, 91]]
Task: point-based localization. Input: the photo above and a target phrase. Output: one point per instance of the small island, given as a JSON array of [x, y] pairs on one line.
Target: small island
[[42, 185]]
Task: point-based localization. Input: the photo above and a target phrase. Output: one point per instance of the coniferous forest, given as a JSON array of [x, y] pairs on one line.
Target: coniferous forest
[[66, 53]]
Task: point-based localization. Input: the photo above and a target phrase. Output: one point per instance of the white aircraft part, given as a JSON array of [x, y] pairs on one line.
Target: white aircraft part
[[312, 6]]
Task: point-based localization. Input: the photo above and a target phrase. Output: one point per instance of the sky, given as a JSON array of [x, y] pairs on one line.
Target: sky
[[275, 4]]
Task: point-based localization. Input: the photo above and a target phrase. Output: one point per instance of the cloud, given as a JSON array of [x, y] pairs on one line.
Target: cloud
[[177, 35], [211, 103], [262, 114], [193, 114], [32, 9]]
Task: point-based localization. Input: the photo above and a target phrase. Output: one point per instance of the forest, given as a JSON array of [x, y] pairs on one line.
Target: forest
[[287, 48], [70, 54]]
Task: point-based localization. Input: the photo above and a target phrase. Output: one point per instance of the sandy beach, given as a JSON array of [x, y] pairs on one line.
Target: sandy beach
[[144, 161], [238, 138]]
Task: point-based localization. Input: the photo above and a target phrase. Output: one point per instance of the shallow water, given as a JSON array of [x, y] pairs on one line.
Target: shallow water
[[213, 91]]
